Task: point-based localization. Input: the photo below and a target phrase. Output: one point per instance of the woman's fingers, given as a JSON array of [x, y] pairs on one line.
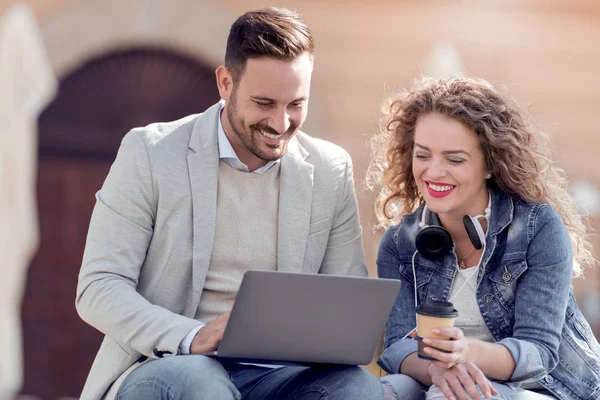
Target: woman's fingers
[[477, 375], [448, 345], [449, 359], [445, 388], [465, 381], [452, 333], [457, 387], [468, 383]]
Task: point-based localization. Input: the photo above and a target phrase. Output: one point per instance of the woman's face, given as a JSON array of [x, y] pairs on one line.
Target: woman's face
[[448, 166]]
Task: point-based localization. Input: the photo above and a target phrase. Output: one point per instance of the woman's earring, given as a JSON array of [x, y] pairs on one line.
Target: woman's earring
[[488, 176]]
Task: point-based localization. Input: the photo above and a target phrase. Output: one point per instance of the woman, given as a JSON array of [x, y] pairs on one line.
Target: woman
[[454, 149]]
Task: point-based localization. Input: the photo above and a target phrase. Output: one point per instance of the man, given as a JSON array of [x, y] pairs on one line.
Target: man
[[190, 205]]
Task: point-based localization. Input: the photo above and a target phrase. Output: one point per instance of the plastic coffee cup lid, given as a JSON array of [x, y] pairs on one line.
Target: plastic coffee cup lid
[[436, 308]]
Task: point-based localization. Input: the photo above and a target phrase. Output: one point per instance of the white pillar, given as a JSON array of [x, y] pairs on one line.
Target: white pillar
[[28, 84]]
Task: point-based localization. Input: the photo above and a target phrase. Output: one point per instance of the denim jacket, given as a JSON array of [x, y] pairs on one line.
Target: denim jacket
[[524, 294]]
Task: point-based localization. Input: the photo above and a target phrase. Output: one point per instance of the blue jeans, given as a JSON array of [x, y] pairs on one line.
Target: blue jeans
[[204, 378], [406, 388]]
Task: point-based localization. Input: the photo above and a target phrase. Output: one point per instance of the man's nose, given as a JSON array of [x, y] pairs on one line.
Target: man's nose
[[280, 121]]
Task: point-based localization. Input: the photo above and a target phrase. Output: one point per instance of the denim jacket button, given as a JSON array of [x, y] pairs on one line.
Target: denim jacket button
[[488, 298], [548, 379]]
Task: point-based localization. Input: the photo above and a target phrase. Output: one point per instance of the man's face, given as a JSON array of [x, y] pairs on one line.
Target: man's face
[[266, 108]]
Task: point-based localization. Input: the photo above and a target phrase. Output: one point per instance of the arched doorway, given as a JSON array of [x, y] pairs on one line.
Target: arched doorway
[[79, 134]]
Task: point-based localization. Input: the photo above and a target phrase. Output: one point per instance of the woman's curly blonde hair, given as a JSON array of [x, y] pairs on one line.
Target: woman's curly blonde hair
[[517, 155]]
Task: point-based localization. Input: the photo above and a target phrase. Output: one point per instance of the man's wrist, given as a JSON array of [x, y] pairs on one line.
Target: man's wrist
[[185, 347]]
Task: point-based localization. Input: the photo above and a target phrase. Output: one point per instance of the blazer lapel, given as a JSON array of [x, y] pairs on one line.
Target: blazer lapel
[[203, 167], [295, 200]]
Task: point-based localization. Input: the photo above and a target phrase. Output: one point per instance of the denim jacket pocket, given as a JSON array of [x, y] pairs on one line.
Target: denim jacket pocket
[[504, 279], [424, 275]]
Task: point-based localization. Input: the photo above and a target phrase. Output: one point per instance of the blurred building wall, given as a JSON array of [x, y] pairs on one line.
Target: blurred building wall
[[545, 52]]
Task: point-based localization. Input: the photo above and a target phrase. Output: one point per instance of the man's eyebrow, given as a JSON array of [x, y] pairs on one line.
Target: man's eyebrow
[[264, 98]]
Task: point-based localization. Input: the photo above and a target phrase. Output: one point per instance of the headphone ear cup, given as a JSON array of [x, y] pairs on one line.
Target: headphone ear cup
[[433, 242], [474, 231]]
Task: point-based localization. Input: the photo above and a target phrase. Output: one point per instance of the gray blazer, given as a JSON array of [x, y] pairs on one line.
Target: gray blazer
[[151, 236]]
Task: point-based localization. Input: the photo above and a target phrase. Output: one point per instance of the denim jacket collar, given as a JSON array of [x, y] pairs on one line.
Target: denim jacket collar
[[502, 210]]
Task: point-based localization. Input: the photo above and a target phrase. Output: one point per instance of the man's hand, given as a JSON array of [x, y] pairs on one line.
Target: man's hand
[[210, 335]]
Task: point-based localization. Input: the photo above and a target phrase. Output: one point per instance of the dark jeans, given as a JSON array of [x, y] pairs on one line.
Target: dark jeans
[[200, 377]]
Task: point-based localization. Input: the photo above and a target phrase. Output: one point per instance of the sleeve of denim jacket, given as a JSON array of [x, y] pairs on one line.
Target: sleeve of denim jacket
[[402, 319], [541, 297]]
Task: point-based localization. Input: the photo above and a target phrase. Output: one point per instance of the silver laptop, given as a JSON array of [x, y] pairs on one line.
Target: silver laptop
[[289, 318]]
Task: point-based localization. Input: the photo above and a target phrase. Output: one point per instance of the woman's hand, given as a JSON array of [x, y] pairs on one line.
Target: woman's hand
[[448, 352], [462, 379]]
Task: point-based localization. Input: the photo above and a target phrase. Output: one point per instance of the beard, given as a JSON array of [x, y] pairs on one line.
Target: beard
[[249, 135]]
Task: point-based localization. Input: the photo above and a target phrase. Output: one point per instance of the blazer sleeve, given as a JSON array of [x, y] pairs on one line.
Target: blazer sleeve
[[344, 254], [120, 231]]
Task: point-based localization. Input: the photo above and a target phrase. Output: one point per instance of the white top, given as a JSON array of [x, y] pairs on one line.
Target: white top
[[469, 318]]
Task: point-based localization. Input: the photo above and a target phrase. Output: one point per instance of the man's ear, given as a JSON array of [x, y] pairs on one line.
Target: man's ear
[[224, 82]]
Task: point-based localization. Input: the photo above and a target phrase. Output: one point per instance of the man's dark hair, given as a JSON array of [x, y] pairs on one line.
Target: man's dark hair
[[272, 32]]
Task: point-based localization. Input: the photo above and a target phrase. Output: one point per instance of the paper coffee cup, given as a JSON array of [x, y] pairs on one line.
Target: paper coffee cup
[[433, 314]]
